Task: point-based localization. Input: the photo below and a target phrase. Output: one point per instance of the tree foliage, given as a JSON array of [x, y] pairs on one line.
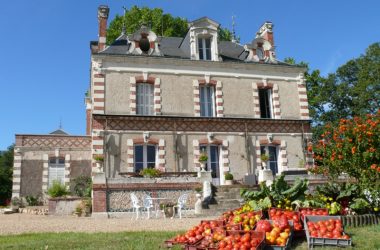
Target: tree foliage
[[352, 147], [6, 170], [160, 23]]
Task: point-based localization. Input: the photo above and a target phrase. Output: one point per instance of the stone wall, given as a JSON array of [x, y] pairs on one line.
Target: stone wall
[[63, 206], [31, 178]]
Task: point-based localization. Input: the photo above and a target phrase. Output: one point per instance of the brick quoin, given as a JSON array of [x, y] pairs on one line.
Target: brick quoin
[[99, 201]]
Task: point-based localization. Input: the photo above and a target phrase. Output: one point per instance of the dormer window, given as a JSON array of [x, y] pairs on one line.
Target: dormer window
[[144, 43], [260, 53], [204, 48]]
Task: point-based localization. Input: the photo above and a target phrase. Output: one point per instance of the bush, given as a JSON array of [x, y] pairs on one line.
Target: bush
[[57, 189], [81, 186], [32, 200], [228, 177], [150, 172]]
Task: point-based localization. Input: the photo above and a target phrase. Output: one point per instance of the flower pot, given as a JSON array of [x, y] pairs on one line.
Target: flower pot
[[228, 182], [169, 212], [203, 166], [99, 166]]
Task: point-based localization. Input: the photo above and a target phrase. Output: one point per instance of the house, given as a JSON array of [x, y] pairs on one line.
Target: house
[[161, 102]]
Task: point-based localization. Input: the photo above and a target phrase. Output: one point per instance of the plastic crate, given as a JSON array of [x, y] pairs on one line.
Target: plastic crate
[[288, 242], [319, 241], [310, 208]]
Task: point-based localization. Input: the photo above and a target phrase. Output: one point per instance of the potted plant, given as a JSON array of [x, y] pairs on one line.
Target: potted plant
[[150, 172], [228, 178], [99, 159], [78, 210], [87, 206], [264, 158], [202, 160], [198, 189], [168, 209], [15, 203]]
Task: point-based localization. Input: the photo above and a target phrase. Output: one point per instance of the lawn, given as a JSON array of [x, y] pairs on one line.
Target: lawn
[[363, 238]]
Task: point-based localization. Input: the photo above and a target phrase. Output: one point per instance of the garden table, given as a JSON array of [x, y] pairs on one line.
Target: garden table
[[157, 202]]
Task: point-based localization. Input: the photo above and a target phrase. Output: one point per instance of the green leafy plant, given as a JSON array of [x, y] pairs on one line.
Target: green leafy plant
[[99, 158], [360, 205], [81, 186], [228, 177], [150, 172], [15, 201], [57, 189], [198, 189], [32, 200], [264, 157], [203, 158], [79, 210]]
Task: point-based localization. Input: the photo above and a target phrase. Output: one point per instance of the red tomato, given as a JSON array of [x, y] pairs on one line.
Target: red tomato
[[328, 235], [346, 237]]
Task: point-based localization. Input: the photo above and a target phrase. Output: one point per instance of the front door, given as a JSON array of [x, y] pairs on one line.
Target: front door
[[212, 163]]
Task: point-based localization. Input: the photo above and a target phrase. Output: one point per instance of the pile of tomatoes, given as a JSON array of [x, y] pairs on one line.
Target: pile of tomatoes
[[276, 233], [331, 228], [197, 232], [313, 211], [241, 240], [275, 213]]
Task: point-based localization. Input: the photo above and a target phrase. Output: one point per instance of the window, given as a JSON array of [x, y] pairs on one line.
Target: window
[[145, 99], [145, 157], [265, 98], [207, 101], [272, 151], [144, 43], [56, 170], [260, 53], [212, 163], [204, 48]]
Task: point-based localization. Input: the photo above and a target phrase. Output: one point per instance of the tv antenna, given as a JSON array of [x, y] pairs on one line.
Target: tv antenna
[[123, 28], [233, 29]]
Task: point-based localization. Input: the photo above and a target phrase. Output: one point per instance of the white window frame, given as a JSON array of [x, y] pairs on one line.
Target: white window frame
[[269, 92], [56, 171], [266, 148], [145, 155], [203, 105], [144, 99], [202, 49]]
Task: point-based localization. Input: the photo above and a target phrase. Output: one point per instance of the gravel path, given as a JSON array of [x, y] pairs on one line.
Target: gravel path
[[25, 223]]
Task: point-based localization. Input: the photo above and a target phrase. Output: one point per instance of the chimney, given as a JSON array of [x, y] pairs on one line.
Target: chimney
[[103, 11], [266, 32]]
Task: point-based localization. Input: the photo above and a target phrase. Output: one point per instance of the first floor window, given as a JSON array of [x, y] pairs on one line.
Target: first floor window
[[56, 170], [265, 99], [207, 102], [145, 99], [212, 164], [272, 152], [204, 48], [145, 157]]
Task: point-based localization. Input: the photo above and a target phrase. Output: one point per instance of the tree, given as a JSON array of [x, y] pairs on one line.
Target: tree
[[6, 170], [351, 147], [160, 23]]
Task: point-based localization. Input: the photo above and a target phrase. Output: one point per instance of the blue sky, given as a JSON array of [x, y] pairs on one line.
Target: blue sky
[[44, 48]]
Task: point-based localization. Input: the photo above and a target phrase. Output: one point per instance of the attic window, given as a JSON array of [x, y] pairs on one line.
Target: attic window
[[144, 43], [204, 48], [260, 53]]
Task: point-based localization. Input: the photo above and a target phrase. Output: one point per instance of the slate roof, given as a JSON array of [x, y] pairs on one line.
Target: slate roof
[[58, 132]]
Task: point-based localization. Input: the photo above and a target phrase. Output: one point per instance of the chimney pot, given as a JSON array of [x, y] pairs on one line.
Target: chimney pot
[[103, 12]]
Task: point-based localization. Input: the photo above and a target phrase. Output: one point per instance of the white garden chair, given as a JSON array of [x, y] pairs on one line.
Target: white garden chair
[[148, 204], [181, 204], [135, 205]]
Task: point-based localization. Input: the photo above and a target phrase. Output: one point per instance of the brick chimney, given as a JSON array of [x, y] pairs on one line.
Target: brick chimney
[[103, 12], [266, 32]]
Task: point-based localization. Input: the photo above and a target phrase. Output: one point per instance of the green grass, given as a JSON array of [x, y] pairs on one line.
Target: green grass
[[363, 238]]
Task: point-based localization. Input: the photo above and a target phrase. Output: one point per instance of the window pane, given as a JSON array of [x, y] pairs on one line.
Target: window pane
[[138, 166], [145, 99], [264, 95], [208, 43], [214, 156], [151, 153], [61, 161], [200, 49], [203, 100], [139, 153]]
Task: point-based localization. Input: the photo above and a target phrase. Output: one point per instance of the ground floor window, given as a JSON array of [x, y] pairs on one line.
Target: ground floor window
[[145, 157], [56, 170], [272, 152], [212, 152]]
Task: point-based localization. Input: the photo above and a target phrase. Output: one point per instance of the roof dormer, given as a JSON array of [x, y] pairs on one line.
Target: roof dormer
[[203, 34], [144, 42]]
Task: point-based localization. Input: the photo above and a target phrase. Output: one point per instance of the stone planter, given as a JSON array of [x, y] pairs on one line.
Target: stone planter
[[203, 166], [15, 208], [228, 182], [360, 220], [169, 212]]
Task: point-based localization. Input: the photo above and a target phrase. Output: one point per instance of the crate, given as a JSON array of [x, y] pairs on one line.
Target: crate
[[325, 210], [288, 242], [259, 235], [171, 243], [317, 241]]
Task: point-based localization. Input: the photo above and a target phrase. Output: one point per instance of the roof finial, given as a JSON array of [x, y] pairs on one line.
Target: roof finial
[[233, 30], [60, 123], [123, 29]]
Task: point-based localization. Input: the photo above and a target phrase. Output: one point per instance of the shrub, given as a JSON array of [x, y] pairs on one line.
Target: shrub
[[32, 200], [99, 158], [351, 148], [150, 172], [82, 186], [203, 158], [228, 177], [57, 189]]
